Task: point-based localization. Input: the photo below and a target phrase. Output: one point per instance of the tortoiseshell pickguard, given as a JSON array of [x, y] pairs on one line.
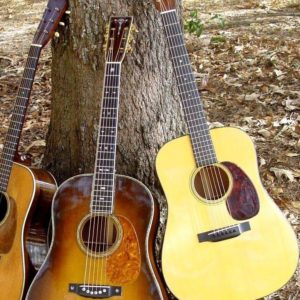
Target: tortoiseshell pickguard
[[243, 202]]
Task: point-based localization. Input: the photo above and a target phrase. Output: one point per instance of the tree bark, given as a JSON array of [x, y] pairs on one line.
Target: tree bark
[[150, 113]]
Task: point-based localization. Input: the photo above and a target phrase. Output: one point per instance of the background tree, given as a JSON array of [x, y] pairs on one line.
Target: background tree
[[150, 113]]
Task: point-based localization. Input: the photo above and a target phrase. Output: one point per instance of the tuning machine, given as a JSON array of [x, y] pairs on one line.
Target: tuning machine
[[56, 34], [67, 12], [63, 24]]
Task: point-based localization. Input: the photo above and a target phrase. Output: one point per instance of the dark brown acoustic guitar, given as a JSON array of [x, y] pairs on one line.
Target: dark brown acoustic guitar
[[25, 193], [103, 224]]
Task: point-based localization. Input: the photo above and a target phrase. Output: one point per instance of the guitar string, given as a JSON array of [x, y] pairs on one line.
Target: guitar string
[[12, 133], [4, 167], [114, 124], [207, 168], [193, 212], [170, 35], [95, 194], [206, 190], [116, 79], [111, 137], [217, 173], [106, 138]]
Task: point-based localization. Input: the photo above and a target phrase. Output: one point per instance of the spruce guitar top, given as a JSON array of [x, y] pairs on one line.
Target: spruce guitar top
[[225, 238], [103, 223], [25, 193]]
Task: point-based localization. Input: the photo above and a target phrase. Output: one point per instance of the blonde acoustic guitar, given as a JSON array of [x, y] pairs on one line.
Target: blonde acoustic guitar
[[25, 193], [225, 238]]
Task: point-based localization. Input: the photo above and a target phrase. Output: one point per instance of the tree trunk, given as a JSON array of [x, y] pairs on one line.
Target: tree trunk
[[150, 113]]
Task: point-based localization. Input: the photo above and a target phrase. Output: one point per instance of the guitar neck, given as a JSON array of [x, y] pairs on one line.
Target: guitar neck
[[104, 174], [203, 149], [18, 115]]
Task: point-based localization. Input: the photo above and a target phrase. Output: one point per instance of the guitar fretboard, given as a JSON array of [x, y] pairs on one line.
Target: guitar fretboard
[[193, 109], [104, 175], [17, 118]]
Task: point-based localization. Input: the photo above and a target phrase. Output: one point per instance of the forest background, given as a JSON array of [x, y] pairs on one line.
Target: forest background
[[246, 58]]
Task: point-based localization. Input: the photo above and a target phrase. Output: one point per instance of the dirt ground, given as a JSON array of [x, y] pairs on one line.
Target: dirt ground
[[247, 63]]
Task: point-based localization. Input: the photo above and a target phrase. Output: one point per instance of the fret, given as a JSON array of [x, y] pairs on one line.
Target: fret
[[112, 76], [108, 118], [188, 76], [105, 189], [188, 92], [101, 202], [182, 66], [105, 159], [177, 46], [108, 127], [109, 108], [199, 139], [104, 135], [179, 57], [186, 83], [167, 11], [21, 98], [96, 209], [206, 155], [171, 24], [202, 146]]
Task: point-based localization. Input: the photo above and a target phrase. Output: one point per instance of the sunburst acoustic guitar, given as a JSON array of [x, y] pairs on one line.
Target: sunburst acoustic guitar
[[25, 193], [104, 224], [225, 238]]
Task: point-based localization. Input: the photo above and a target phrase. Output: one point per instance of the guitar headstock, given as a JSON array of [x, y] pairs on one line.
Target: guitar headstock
[[165, 5], [118, 38], [53, 13]]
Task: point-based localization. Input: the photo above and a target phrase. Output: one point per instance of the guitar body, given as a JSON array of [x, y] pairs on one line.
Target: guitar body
[[28, 189], [130, 265], [246, 267]]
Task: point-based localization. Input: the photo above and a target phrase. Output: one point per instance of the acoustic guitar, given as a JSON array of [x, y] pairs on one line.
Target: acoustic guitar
[[225, 238], [25, 193], [103, 224]]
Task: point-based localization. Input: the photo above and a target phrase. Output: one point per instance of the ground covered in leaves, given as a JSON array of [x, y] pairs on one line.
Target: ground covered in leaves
[[247, 63]]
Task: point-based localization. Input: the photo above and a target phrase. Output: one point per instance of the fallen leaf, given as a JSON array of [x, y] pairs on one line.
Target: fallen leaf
[[281, 173]]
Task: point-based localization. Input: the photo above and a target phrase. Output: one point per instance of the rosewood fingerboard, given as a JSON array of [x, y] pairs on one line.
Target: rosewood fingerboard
[[193, 109], [18, 115], [104, 174]]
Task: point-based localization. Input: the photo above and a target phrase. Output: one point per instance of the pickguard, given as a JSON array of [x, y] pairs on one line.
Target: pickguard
[[243, 202]]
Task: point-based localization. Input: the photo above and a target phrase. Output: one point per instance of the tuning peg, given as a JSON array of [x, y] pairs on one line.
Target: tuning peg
[[67, 12], [56, 34], [62, 24]]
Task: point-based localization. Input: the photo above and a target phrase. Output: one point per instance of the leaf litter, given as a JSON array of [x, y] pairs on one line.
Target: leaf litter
[[248, 72]]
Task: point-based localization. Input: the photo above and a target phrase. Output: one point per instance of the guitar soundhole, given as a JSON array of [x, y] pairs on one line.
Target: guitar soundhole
[[211, 182], [100, 234], [3, 206]]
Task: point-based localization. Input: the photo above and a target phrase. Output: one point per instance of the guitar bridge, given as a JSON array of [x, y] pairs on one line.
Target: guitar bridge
[[224, 233], [95, 291]]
